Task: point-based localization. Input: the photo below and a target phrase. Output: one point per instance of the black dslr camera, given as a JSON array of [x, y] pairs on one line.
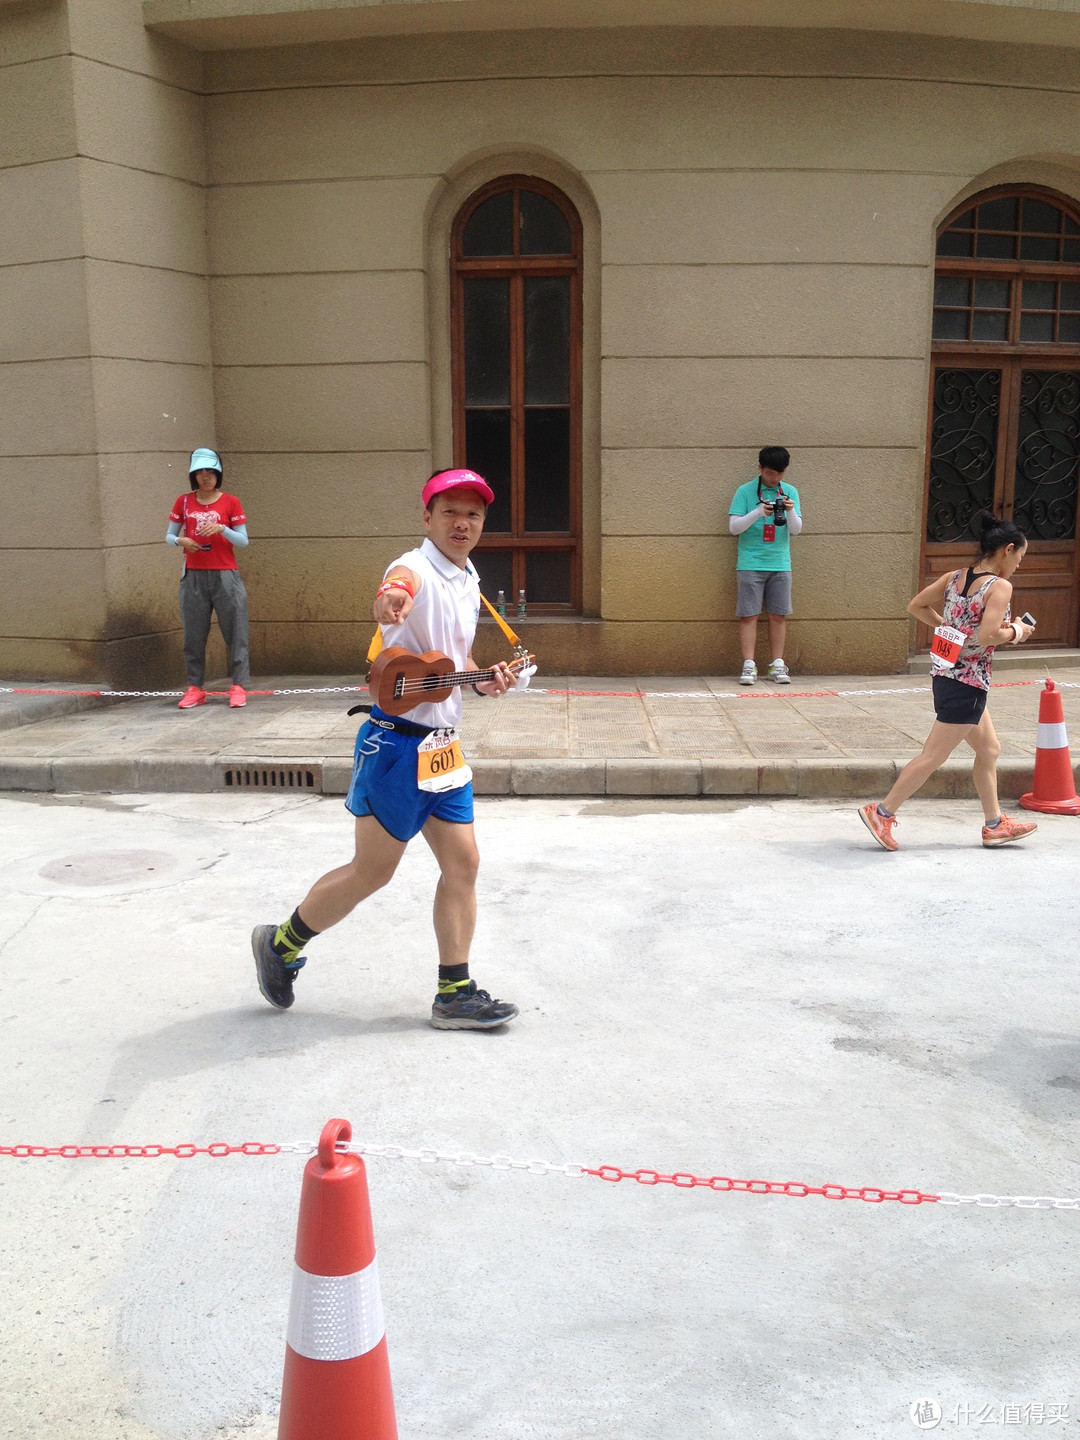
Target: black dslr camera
[[779, 514]]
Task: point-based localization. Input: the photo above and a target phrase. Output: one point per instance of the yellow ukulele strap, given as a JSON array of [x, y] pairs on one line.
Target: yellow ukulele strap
[[500, 621], [377, 641]]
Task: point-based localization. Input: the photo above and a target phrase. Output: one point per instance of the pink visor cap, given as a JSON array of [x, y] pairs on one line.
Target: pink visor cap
[[456, 480]]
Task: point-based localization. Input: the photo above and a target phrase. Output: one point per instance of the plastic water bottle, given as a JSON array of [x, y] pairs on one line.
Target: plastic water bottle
[[521, 603], [500, 603]]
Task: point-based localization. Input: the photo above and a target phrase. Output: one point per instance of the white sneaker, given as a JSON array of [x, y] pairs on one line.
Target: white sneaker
[[778, 673], [749, 673]]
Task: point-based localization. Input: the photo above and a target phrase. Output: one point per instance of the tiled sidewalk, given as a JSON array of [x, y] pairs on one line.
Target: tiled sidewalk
[[682, 736]]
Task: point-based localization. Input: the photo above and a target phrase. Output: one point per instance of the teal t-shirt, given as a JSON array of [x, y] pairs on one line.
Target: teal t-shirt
[[755, 553]]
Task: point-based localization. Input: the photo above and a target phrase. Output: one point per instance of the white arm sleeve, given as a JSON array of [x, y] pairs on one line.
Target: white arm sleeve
[[794, 521], [738, 523]]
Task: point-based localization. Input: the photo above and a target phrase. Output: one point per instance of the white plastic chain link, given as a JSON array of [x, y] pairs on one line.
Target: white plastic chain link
[[430, 1156], [1021, 1202]]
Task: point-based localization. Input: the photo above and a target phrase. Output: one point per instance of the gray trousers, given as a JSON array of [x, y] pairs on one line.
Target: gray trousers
[[222, 593]]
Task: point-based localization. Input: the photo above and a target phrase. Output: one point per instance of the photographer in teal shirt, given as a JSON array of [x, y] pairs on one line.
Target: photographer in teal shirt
[[764, 514]]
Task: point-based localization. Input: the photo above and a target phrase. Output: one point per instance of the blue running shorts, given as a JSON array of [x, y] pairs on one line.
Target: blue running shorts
[[384, 785]]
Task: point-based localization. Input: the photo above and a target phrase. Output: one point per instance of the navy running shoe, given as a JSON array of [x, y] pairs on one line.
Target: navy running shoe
[[470, 1009], [275, 977]]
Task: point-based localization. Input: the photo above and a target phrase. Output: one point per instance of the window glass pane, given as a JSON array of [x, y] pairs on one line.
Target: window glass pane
[[1042, 218], [966, 221], [489, 230], [952, 290], [950, 324], [1048, 454], [1036, 327], [547, 470], [547, 577], [487, 451], [487, 342], [1039, 294], [963, 451], [1071, 227], [1039, 247], [544, 227], [997, 215], [992, 294], [547, 340], [995, 247], [954, 243], [1071, 250], [1069, 329], [496, 571], [990, 325], [1070, 296]]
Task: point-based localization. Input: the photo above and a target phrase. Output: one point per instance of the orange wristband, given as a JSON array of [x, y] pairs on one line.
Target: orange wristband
[[396, 584]]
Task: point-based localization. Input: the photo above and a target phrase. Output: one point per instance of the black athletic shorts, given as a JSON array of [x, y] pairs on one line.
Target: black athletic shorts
[[956, 703]]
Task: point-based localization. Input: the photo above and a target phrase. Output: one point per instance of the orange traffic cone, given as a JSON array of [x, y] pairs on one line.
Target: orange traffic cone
[[1055, 789], [337, 1374]]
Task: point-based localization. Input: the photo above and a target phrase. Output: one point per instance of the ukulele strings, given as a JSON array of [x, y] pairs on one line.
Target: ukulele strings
[[439, 682], [456, 677]]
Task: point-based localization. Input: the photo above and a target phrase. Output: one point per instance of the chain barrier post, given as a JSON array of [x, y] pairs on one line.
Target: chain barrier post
[[337, 1371]]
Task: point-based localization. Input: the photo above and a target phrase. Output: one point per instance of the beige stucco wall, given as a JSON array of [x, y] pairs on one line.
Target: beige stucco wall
[[764, 251], [106, 334], [248, 248]]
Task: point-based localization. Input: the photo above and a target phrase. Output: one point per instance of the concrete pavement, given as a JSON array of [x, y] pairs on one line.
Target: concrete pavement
[[683, 736], [746, 988]]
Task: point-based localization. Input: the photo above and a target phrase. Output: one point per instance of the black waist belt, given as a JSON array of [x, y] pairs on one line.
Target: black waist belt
[[403, 727]]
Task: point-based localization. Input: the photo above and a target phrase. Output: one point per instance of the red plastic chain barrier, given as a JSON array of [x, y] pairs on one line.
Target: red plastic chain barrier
[[536, 690], [764, 1187], [680, 1180]]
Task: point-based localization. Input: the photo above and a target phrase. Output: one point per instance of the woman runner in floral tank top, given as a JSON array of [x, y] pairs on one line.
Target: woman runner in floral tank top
[[971, 607]]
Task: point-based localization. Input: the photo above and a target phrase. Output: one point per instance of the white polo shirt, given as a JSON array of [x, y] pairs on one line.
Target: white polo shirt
[[443, 617]]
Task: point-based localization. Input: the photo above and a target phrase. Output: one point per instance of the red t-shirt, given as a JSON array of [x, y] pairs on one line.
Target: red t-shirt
[[191, 516]]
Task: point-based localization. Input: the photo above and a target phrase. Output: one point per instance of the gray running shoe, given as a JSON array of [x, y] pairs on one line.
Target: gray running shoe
[[470, 1009], [275, 977], [778, 673], [749, 673]]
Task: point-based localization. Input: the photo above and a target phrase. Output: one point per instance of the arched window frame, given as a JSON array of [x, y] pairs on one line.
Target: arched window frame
[[1015, 271], [517, 540]]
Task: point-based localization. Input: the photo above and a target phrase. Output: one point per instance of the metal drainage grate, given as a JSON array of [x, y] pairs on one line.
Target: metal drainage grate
[[273, 777]]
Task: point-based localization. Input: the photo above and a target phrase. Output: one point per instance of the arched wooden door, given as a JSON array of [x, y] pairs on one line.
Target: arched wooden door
[[516, 320], [1005, 395]]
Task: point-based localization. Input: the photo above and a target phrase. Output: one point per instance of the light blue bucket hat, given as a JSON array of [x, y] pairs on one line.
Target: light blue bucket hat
[[204, 460]]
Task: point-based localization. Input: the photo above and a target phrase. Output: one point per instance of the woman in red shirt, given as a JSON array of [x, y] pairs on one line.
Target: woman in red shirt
[[207, 525]]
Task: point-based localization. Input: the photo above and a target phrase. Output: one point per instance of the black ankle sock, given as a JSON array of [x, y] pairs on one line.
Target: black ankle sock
[[453, 978], [291, 938]]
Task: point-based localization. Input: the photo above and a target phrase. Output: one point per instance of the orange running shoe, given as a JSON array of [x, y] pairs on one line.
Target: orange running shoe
[[1005, 831], [192, 696], [880, 826], [237, 698]]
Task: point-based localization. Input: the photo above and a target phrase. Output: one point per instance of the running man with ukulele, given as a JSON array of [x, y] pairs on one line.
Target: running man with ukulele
[[409, 776]]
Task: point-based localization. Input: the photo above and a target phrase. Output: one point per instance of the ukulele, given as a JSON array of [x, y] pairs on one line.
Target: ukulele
[[399, 679]]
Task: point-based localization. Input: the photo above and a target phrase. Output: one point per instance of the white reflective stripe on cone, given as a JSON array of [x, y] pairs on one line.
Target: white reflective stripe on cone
[[1052, 737], [335, 1317]]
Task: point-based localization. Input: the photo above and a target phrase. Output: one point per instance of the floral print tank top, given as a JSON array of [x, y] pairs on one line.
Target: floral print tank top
[[965, 612]]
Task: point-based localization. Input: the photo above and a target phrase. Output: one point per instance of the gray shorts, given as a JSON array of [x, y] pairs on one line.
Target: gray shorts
[[768, 590]]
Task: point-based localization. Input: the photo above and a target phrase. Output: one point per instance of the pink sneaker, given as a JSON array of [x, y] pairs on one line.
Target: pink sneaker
[[237, 698], [192, 696], [880, 826], [1006, 830]]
